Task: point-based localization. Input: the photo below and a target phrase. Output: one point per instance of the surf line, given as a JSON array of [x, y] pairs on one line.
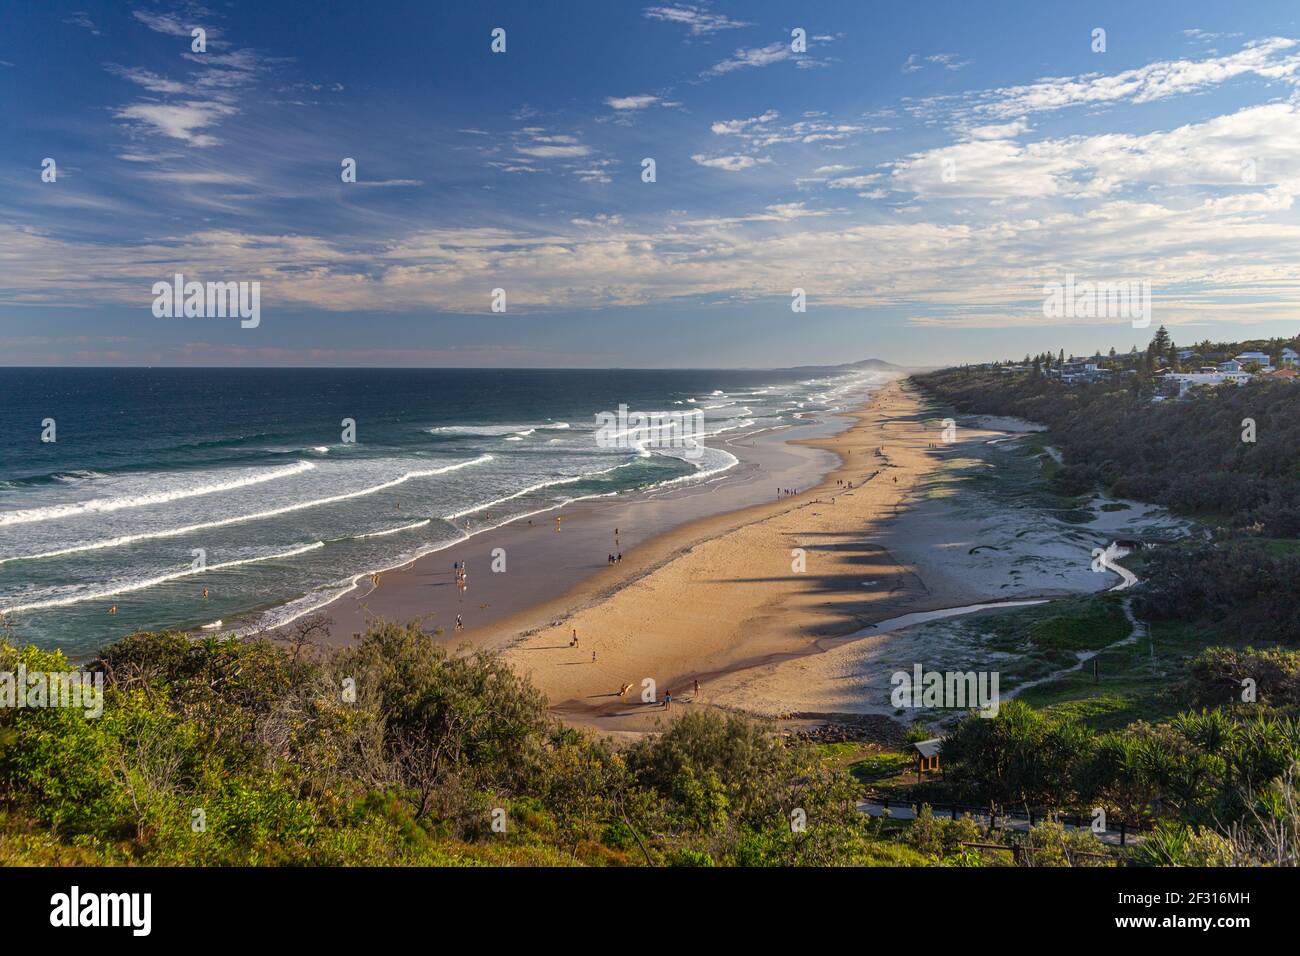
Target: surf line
[[153, 582], [102, 505], [274, 512]]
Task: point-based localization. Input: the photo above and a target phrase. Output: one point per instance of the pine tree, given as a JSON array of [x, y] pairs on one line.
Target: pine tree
[[1161, 342]]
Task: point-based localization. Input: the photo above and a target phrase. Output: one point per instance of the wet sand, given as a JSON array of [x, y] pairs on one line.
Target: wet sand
[[547, 571]]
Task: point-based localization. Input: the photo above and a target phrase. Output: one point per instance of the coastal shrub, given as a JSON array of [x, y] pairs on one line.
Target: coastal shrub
[[1216, 675], [1053, 844], [714, 766], [942, 837], [1176, 844], [1186, 455], [391, 752], [1243, 588]]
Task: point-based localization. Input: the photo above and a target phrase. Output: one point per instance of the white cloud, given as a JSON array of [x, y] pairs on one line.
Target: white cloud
[[81, 19], [149, 80], [181, 121], [631, 102], [854, 182], [736, 126], [999, 131], [949, 61], [1272, 59], [553, 152], [1210, 153], [732, 164], [700, 21], [170, 24], [754, 57]]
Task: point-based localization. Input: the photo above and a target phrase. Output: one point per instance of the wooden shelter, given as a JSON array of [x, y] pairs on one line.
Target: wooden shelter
[[926, 753]]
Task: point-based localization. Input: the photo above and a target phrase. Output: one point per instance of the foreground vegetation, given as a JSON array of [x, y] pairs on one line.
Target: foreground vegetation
[[393, 752]]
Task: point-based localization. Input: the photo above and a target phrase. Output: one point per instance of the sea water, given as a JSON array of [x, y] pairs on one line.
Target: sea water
[[163, 482]]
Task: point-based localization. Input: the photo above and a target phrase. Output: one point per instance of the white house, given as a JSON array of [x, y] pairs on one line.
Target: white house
[[1262, 359], [1189, 380], [1290, 358], [1232, 365]]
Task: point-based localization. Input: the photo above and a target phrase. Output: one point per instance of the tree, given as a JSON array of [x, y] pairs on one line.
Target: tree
[[1161, 342]]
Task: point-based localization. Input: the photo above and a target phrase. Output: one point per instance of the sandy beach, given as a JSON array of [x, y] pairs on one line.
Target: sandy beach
[[743, 591], [772, 607]]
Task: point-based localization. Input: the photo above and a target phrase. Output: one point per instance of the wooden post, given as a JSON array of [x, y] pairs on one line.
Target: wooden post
[[1123, 836]]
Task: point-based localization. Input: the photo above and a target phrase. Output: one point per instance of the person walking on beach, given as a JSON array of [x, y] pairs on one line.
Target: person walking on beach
[[593, 657], [668, 701], [697, 687], [460, 625]]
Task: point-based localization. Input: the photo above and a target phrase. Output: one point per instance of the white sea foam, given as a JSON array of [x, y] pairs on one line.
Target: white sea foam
[[531, 488], [101, 505], [495, 431], [155, 581], [257, 516], [406, 527]]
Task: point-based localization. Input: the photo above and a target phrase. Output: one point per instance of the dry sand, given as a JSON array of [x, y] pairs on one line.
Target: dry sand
[[725, 596]]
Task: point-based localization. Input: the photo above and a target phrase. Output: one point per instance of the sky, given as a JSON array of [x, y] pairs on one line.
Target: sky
[[920, 170]]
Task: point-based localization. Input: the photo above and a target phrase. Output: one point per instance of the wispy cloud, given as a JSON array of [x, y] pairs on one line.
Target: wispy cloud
[[698, 20], [631, 102], [732, 164], [1276, 58], [183, 121], [82, 19], [949, 61], [752, 57]]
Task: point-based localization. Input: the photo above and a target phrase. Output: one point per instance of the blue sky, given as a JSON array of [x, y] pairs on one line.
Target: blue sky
[[921, 171]]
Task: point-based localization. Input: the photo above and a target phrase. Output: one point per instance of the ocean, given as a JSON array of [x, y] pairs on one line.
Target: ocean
[[163, 482]]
